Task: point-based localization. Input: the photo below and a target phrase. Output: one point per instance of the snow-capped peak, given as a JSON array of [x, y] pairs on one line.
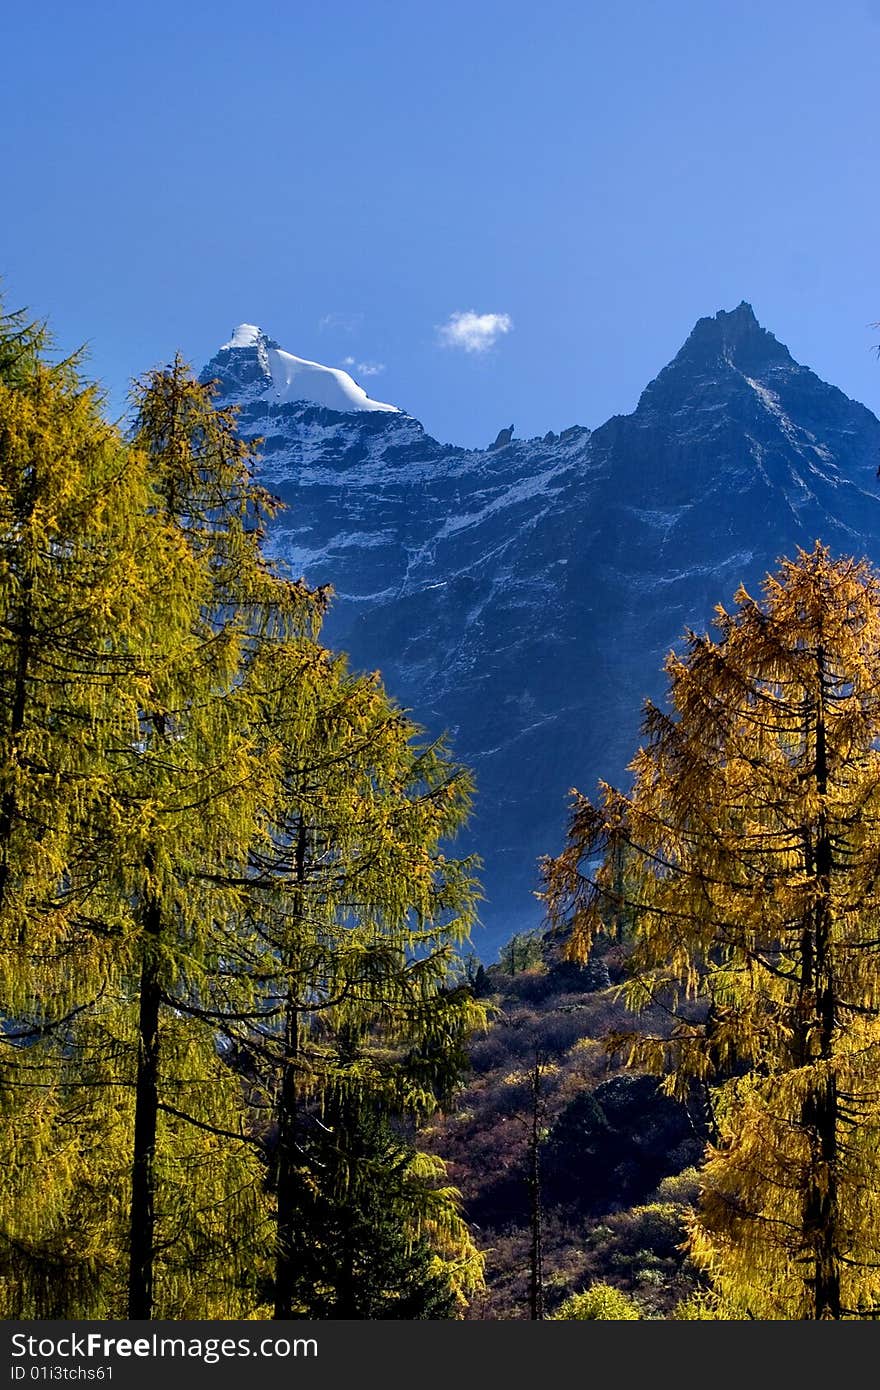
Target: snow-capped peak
[[245, 335], [292, 378]]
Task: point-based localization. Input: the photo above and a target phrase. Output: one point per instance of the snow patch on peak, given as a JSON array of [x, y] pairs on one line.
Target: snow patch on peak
[[288, 378], [772, 404], [767, 397], [245, 335], [297, 379]]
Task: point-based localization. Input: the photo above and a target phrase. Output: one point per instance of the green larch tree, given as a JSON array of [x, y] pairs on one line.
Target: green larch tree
[[133, 587], [360, 915]]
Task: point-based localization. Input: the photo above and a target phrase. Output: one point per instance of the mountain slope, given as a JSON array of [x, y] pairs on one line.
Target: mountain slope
[[523, 597]]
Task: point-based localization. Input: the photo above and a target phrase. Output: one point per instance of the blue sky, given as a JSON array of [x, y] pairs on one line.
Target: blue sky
[[349, 176]]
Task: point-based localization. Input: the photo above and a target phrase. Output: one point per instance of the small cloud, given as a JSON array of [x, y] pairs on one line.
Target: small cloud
[[472, 331], [363, 368], [340, 323]]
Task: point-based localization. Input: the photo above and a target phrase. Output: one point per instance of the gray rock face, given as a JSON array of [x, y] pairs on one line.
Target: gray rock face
[[523, 599]]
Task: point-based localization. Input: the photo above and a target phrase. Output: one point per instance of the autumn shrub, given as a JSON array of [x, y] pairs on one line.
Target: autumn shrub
[[657, 1228], [556, 1033], [683, 1188], [602, 1303]]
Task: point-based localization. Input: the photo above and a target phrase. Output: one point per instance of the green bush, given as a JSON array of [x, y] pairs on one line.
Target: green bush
[[683, 1187], [657, 1228]]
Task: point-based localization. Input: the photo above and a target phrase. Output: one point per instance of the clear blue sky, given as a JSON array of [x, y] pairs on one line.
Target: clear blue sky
[[350, 175]]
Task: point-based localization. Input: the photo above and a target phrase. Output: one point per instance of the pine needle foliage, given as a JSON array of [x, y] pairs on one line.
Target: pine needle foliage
[[750, 847], [356, 916], [380, 1235]]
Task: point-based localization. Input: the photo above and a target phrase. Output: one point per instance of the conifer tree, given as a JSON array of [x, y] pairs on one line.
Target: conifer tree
[[194, 786], [379, 1235], [74, 600], [359, 913], [751, 841], [132, 587], [216, 846], [79, 571]]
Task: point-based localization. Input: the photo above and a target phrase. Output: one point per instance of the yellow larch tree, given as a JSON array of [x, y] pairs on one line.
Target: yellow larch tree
[[750, 846]]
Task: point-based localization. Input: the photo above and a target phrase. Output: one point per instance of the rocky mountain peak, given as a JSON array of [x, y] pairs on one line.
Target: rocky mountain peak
[[252, 366], [523, 597], [248, 335], [725, 354], [736, 338]]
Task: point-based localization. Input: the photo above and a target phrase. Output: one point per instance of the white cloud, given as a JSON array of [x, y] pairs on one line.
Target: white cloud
[[363, 368], [472, 331]]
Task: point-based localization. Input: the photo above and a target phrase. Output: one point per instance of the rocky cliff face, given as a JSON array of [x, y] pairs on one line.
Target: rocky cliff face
[[523, 598]]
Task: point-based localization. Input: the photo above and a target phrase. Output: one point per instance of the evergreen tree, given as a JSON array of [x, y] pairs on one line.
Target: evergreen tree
[[522, 952], [378, 1236], [358, 912], [752, 840]]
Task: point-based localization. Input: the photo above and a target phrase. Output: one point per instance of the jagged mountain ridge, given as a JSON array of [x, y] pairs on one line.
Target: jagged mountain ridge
[[524, 597]]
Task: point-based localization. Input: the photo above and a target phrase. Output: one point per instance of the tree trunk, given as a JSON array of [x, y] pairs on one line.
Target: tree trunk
[[16, 721], [287, 1169], [146, 1117], [536, 1254], [348, 1305], [820, 1111]]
